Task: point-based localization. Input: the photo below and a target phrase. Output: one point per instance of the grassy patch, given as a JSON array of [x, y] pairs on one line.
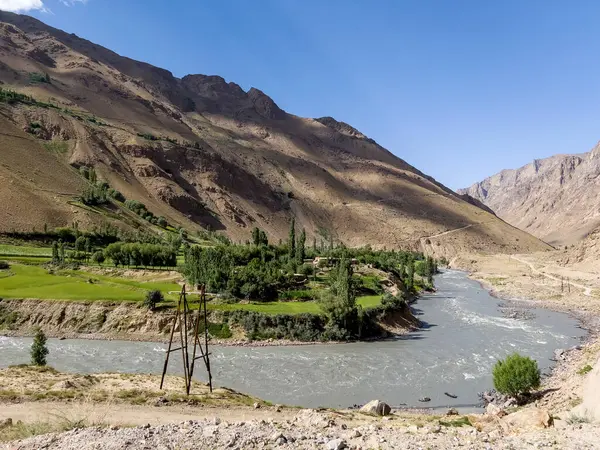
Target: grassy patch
[[585, 369], [271, 307], [36, 282], [496, 281], [21, 250], [58, 147], [574, 419], [460, 422], [312, 307], [369, 301]]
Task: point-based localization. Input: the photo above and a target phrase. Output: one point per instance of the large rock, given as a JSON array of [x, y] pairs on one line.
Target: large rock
[[528, 418], [494, 410], [336, 444], [376, 407]]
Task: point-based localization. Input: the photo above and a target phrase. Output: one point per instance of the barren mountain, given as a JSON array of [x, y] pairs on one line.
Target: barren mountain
[[556, 199], [204, 153]]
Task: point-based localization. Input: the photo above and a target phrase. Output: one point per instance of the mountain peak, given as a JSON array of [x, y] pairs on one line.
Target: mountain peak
[[264, 105]]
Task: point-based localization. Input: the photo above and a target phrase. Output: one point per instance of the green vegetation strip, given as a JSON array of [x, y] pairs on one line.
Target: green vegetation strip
[[36, 282], [291, 308], [18, 250]]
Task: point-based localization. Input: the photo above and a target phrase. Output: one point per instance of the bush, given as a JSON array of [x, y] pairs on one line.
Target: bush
[[391, 301], [4, 265], [516, 375], [39, 351], [116, 195], [98, 257], [152, 299], [297, 295], [306, 269]]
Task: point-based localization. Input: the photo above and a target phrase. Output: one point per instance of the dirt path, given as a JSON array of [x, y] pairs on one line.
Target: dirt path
[[128, 415], [587, 291], [450, 231]]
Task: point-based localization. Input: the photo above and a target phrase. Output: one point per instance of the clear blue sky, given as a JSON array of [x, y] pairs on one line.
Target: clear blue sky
[[459, 88]]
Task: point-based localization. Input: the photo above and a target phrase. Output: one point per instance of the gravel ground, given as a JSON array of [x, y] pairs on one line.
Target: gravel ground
[[308, 430]]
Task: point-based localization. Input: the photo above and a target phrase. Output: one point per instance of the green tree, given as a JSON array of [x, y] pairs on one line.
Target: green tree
[[516, 375], [152, 299], [92, 176], [98, 257], [339, 302], [300, 248], [410, 275], [256, 236], [262, 238], [80, 244], [292, 239], [61, 252], [39, 350], [55, 257]]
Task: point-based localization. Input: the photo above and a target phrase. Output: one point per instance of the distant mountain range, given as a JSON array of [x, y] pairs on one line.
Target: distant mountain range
[[556, 199]]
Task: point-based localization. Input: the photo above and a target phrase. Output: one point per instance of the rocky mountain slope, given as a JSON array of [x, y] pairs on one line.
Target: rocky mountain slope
[[556, 199], [204, 153]]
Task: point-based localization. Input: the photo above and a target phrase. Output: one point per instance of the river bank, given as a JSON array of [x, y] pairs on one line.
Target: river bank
[[538, 281], [127, 321]]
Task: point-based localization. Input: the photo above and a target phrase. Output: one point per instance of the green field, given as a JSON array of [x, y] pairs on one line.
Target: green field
[[19, 250], [312, 307], [30, 281], [25, 281]]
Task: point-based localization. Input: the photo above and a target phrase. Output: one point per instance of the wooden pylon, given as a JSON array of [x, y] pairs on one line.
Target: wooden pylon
[[184, 321]]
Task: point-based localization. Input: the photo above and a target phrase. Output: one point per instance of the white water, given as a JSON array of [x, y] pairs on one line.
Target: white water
[[463, 335]]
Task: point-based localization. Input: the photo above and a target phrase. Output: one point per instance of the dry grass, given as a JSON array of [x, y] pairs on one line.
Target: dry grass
[[59, 419], [28, 383]]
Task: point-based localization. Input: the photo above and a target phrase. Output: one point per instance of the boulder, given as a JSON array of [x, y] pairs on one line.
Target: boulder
[[376, 407], [336, 444], [494, 410], [452, 412], [278, 438], [528, 418], [559, 354]]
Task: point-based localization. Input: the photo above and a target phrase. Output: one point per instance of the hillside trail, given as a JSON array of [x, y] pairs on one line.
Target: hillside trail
[[587, 291]]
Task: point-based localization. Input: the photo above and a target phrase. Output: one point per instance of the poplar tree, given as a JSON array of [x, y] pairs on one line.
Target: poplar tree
[[300, 248], [292, 239]]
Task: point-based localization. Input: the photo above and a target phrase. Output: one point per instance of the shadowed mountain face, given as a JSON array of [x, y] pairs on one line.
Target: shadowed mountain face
[[556, 199], [204, 153]]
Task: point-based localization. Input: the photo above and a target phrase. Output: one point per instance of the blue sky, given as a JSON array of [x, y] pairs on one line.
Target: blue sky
[[459, 88]]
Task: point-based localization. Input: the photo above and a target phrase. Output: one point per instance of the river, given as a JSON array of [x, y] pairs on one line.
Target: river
[[464, 333]]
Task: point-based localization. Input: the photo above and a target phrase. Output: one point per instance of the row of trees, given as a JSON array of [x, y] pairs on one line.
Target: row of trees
[[141, 210], [100, 192], [138, 254], [97, 192]]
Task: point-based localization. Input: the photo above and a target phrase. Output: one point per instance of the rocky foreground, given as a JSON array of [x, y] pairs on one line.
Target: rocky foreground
[[311, 430]]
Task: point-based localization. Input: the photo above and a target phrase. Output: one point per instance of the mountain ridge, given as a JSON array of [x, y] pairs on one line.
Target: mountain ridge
[[204, 153], [554, 198]]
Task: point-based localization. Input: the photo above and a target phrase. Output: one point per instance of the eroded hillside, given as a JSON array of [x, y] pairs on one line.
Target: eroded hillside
[[204, 153], [556, 199]]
